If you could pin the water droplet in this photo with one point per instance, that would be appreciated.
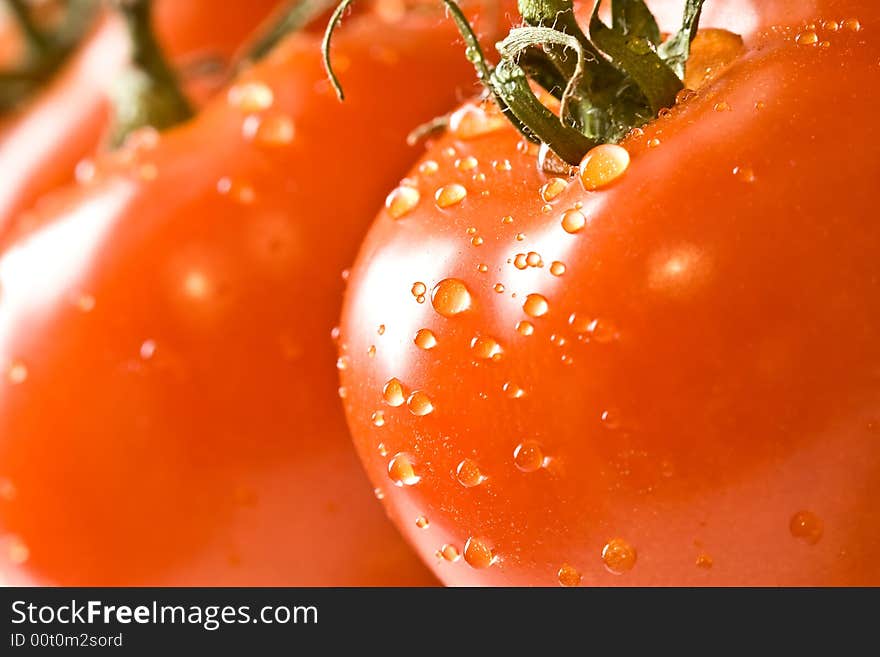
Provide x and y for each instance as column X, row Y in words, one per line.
column 853, row 24
column 378, row 418
column 471, row 121
column 381, row 329
column 478, row 554
column 568, row 576
column 401, row 201
column 402, row 471
column 342, row 391
column 831, row 26
column 534, row 259
column 519, row 237
column 450, row 297
column 272, row 130
column 507, row 219
column 722, row 106
column 371, row 351
column 501, row 165
column 499, row 288
column 250, row 96
column 85, row 302
column 807, row 526
column 525, row 327
column 17, row 551
column 619, row 556
column 428, row 168
column 683, row 96
column 468, row 474
column 482, row 268
column 425, row 339
column 553, row 188
column 383, row 451
column 237, row 190
column 512, row 390
column 529, row 456
column 520, row 261
column 17, row 372
column 422, row 522
column 466, row 163
column 486, row 348
column 573, row 221
column 557, row 268
column 419, row 403
column 148, row 348
column 807, row 38
column 379, row 494
column 342, row 363
column 476, row 241
column 536, row 305
column 449, row 553
column 394, row 393
column 653, row 143
column 449, row 195
column 704, row 561
column 610, row 419
column 418, row 289
column 603, row 165
column 744, row 174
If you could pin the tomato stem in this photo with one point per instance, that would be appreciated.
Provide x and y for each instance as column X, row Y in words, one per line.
column 621, row 76
column 291, row 18
column 149, row 93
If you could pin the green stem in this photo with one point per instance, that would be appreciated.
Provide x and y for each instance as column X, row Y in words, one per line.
column 37, row 40
column 149, row 94
column 295, row 16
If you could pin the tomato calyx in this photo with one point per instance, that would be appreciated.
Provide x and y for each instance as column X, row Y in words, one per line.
column 620, row 77
column 47, row 48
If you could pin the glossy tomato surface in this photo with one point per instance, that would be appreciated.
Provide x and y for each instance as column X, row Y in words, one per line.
column 672, row 380
column 170, row 412
column 69, row 119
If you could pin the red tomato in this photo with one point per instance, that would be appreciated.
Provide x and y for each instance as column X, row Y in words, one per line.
column 40, row 149
column 672, row 380
column 170, row 411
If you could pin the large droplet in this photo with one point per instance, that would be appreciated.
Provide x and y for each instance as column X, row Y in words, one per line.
column 449, row 195
column 478, row 554
column 468, row 474
column 450, row 297
column 528, row 456
column 619, row 556
column 401, row 201
column 568, row 575
column 536, row 305
column 393, row 393
column 573, row 221
column 425, row 339
column 602, row 165
column 486, row 348
column 402, row 471
column 419, row 403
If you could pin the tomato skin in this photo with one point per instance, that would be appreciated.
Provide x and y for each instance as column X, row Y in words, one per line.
column 179, row 421
column 722, row 416
column 67, row 121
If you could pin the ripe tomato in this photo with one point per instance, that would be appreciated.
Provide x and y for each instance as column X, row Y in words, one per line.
column 40, row 149
column 170, row 411
column 674, row 379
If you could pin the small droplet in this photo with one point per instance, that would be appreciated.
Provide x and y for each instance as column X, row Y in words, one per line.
column 148, row 348
column 466, row 163
column 378, row 419
column 272, row 130
column 418, row 289
column 450, row 297
column 528, row 456
column 428, row 168
column 807, row 38
column 342, row 363
column 602, row 165
column 380, row 495
column 342, row 391
column 478, row 554
column 568, row 576
column 501, row 165
column 476, row 241
column 573, row 221
column 394, row 393
column 853, row 24
column 371, row 351
column 507, row 219
column 17, row 372
column 419, row 403
column 619, row 556
column 553, row 188
column 482, row 268
column 425, row 339
column 653, row 142
column 519, row 261
column 512, row 390
column 722, row 106
column 449, row 553
column 683, row 96
column 422, row 522
column 557, row 268
column 383, row 451
column 402, row 471
column 525, row 327
column 468, row 474
column 381, row 329
column 486, row 348
column 237, row 190
column 519, row 237
column 449, row 195
column 401, row 201
column 472, row 121
column 704, row 561
column 536, row 305
column 744, row 174
column 250, row 97
column 17, row 551
column 610, row 419
column 807, row 526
